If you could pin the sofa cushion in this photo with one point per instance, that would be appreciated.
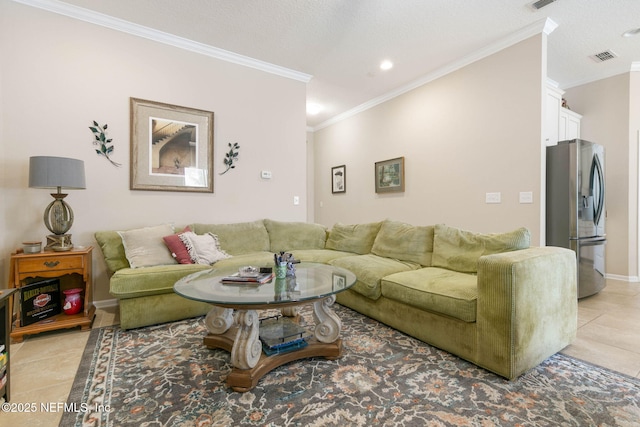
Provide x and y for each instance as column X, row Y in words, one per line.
column 322, row 256
column 239, row 238
column 289, row 236
column 144, row 247
column 356, row 238
column 159, row 279
column 203, row 249
column 405, row 242
column 435, row 289
column 110, row 243
column 369, row 270
column 459, row 250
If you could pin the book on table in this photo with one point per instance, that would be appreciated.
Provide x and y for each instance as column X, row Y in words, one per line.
column 237, row 279
column 280, row 334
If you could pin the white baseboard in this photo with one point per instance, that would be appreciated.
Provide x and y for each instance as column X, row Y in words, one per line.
column 632, row 279
column 106, row 303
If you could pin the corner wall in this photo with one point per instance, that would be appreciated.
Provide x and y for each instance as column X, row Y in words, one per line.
column 59, row 74
column 473, row 131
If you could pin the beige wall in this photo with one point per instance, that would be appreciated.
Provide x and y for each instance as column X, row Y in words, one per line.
column 611, row 117
column 473, row 131
column 59, row 74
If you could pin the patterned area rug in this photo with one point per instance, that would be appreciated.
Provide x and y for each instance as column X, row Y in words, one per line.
column 164, row 376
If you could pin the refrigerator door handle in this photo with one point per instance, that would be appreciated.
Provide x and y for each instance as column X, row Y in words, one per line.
column 597, row 177
column 592, row 241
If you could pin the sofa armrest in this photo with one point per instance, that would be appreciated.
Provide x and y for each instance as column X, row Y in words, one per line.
column 527, row 307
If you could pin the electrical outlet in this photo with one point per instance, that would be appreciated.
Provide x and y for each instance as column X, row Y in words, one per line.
column 296, row 200
column 265, row 174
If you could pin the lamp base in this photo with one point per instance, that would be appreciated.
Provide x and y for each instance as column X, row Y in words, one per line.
column 59, row 242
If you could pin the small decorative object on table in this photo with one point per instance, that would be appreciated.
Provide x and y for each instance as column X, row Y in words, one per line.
column 31, row 247
column 249, row 271
column 284, row 263
column 72, row 301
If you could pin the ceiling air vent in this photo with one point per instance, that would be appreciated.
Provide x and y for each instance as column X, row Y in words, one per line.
column 604, row 56
column 541, row 3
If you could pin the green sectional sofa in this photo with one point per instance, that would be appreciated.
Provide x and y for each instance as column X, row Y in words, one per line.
column 488, row 298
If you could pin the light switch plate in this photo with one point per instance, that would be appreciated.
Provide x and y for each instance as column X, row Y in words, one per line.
column 493, row 197
column 526, row 197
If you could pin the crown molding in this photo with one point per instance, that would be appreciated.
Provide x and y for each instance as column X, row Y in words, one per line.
column 117, row 24
column 623, row 69
column 538, row 27
column 549, row 26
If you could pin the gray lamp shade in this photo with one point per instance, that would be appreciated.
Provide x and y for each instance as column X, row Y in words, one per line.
column 53, row 172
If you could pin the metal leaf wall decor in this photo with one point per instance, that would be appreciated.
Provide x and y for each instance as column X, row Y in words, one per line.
column 230, row 157
column 100, row 134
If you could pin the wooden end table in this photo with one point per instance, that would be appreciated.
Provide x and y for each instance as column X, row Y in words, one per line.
column 51, row 264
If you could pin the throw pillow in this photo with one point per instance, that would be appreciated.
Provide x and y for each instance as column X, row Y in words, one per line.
column 203, row 249
column 144, row 247
column 356, row 238
column 405, row 242
column 459, row 250
column 112, row 249
column 178, row 249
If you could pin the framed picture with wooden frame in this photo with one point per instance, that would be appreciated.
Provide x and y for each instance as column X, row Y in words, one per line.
column 171, row 147
column 339, row 179
column 389, row 175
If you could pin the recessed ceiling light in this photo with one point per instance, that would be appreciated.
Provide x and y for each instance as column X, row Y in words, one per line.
column 386, row 65
column 631, row 33
column 313, row 108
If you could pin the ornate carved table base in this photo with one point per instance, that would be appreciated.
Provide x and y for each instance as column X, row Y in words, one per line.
column 242, row 340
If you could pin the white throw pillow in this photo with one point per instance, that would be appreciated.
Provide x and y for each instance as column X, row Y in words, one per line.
column 203, row 249
column 144, row 247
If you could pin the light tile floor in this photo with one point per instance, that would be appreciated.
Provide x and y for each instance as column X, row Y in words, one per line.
column 43, row 366
column 608, row 328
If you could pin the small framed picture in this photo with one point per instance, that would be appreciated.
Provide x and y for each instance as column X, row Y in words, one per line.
column 389, row 175
column 339, row 282
column 339, row 179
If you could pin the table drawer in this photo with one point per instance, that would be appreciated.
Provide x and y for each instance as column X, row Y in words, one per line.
column 32, row 265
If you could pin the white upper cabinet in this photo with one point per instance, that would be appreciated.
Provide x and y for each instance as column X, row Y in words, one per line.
column 560, row 123
column 569, row 125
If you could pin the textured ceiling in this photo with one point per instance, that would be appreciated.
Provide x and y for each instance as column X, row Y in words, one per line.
column 342, row 42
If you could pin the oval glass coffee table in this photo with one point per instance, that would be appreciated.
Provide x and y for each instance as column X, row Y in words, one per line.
column 315, row 284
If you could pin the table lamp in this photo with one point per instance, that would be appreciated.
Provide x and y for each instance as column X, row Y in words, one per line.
column 57, row 172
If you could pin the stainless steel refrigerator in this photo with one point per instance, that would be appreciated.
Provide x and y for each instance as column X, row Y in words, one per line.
column 576, row 208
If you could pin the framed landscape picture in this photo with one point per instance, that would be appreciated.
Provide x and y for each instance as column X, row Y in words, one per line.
column 390, row 175
column 171, row 147
column 339, row 179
